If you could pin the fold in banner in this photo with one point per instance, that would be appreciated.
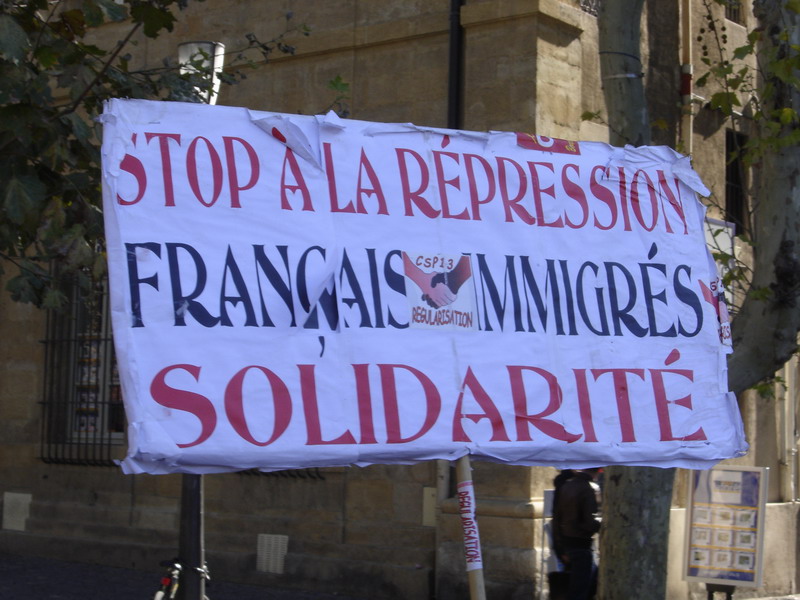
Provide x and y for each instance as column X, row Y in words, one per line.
column 293, row 291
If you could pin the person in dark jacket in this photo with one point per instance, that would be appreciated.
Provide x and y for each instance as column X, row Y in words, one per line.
column 575, row 521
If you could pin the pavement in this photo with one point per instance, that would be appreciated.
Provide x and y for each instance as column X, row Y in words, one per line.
column 791, row 597
column 32, row 578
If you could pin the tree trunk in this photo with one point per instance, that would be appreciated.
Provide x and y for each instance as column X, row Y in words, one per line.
column 633, row 538
column 765, row 328
column 636, row 500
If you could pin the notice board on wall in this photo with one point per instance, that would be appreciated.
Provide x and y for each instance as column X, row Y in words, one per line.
column 725, row 526
column 291, row 291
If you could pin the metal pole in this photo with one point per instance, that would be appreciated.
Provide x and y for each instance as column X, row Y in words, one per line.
column 455, row 66
column 191, row 546
column 472, row 541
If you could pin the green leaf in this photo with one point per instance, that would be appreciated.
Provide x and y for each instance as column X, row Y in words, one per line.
column 100, row 267
column 23, row 195
column 735, row 82
column 784, row 69
column 725, row 101
column 46, row 56
column 92, row 13
column 661, row 124
column 743, row 52
column 793, row 5
column 54, row 299
column 754, row 36
column 14, row 43
column 79, row 254
column 80, row 128
column 153, row 19
column 22, row 289
column 787, row 116
column 339, row 85
column 762, row 293
column 28, row 285
column 73, row 23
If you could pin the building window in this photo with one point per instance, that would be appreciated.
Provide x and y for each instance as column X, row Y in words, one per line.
column 733, row 11
column 735, row 181
column 590, row 6
column 83, row 420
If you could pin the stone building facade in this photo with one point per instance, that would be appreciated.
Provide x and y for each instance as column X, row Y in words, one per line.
column 376, row 532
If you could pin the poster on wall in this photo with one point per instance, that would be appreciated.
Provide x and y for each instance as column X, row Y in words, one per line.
column 725, row 526
column 291, row 291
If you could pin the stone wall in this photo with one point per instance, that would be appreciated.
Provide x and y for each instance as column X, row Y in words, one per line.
column 381, row 532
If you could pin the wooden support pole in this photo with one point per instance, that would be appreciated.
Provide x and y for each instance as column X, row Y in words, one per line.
column 469, row 524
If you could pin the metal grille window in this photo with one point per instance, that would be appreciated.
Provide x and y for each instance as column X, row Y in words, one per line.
column 733, row 10
column 83, row 420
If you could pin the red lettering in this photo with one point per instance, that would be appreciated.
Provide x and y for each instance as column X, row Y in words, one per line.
column 135, row 167
column 475, row 200
column 662, row 405
column 414, row 198
column 331, row 175
column 443, row 183
column 623, row 198
column 621, row 391
column 605, row 195
column 485, row 402
column 584, row 407
column 364, row 400
column 433, row 403
column 196, row 404
column 574, row 191
column 234, row 405
column 233, row 175
column 192, row 171
column 166, row 162
column 673, row 199
column 538, row 190
column 520, row 399
column 637, row 205
column 308, row 390
column 300, row 183
column 511, row 205
column 365, row 167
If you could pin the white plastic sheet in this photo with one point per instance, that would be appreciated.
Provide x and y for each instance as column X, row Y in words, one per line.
column 291, row 291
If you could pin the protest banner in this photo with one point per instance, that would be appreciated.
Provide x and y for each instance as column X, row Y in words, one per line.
column 291, row 291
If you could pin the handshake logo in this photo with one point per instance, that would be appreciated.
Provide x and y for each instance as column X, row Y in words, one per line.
column 441, row 301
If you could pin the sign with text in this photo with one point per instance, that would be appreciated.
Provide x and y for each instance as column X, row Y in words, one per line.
column 291, row 291
column 725, row 526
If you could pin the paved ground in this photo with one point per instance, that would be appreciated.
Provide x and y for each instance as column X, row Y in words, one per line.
column 744, row 595
column 28, row 578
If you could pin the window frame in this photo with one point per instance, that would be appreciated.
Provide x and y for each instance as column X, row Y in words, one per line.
column 83, row 419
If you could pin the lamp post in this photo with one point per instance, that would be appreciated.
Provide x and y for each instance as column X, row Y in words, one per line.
column 206, row 59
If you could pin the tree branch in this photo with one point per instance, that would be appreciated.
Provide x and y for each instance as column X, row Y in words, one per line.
column 74, row 106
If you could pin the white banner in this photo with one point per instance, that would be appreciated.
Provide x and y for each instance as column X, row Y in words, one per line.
column 291, row 291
